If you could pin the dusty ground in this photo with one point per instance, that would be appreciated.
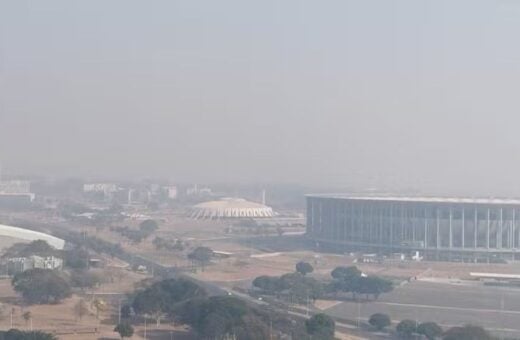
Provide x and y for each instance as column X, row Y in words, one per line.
column 62, row 319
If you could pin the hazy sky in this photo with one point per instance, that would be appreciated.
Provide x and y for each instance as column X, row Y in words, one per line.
column 387, row 93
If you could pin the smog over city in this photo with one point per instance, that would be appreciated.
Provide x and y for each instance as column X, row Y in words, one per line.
column 298, row 169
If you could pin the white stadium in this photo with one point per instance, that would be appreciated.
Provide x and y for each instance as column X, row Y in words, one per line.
column 230, row 208
column 30, row 235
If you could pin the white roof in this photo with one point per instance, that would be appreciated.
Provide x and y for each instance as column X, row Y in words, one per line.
column 503, row 201
column 495, row 275
column 31, row 235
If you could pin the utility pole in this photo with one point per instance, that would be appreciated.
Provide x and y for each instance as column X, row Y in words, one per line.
column 119, row 314
column 358, row 315
column 145, row 328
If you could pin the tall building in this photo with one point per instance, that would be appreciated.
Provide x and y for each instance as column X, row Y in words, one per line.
column 427, row 224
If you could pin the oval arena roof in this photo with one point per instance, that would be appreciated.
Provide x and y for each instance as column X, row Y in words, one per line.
column 230, row 208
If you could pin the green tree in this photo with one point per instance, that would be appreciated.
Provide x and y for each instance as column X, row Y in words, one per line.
column 216, row 316
column 346, row 273
column 27, row 316
column 148, row 226
column 125, row 330
column 16, row 334
column 40, row 286
column 76, row 258
column 202, row 255
column 406, row 328
column 321, row 326
column 468, row 332
column 379, row 321
column 159, row 298
column 269, row 284
column 85, row 279
column 304, row 268
column 431, row 330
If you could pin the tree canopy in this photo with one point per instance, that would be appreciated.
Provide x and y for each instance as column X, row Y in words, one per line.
column 468, row 332
column 40, row 286
column 406, row 328
column 201, row 254
column 350, row 279
column 430, row 330
column 15, row 334
column 161, row 297
column 125, row 330
column 221, row 316
column 321, row 326
column 304, row 268
column 379, row 321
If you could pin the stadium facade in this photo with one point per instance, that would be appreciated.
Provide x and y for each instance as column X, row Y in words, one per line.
column 430, row 225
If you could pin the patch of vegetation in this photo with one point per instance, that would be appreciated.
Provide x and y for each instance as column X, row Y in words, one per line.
column 41, row 286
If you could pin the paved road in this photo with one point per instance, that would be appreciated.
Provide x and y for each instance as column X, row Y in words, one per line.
column 447, row 304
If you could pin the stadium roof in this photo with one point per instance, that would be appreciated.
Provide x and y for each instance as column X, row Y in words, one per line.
column 31, row 235
column 466, row 200
column 230, row 208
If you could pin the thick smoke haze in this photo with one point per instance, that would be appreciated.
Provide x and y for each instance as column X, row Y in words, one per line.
column 397, row 95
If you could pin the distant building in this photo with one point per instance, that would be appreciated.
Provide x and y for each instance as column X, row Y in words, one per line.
column 230, row 208
column 432, row 225
column 171, row 192
column 15, row 192
column 106, row 188
column 100, row 191
column 21, row 264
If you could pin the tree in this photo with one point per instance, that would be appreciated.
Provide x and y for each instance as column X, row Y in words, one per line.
column 468, row 332
column 16, row 334
column 430, row 330
column 379, row 321
column 76, row 258
column 81, row 309
column 321, row 325
column 27, row 316
column 269, row 284
column 84, row 279
column 304, row 268
column 125, row 330
column 40, row 286
column 160, row 298
column 406, row 328
column 148, row 226
column 126, row 311
column 371, row 286
column 221, row 317
column 346, row 273
column 201, row 255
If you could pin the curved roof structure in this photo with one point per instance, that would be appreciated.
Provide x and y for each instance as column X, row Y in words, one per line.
column 230, row 208
column 31, row 235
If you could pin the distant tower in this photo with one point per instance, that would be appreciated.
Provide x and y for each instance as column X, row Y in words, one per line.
column 263, row 196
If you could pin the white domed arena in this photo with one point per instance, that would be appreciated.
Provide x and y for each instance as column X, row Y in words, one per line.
column 230, row 208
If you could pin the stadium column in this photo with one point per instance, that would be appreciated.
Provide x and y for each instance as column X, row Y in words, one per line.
column 391, row 225
column 475, row 229
column 425, row 228
column 463, row 228
column 451, row 229
column 488, row 226
column 500, row 231
column 438, row 228
column 381, row 211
